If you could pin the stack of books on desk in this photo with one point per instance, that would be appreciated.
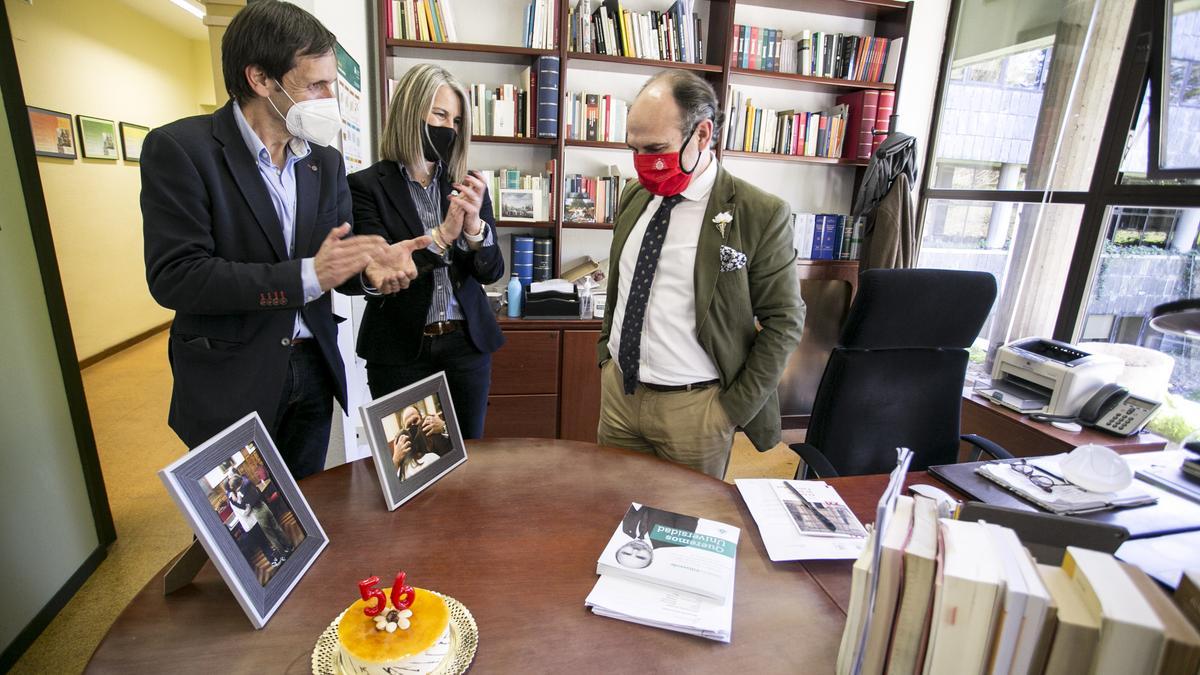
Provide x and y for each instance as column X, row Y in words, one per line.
column 668, row 570
column 966, row 597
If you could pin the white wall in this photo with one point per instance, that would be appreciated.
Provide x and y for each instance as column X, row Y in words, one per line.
column 919, row 83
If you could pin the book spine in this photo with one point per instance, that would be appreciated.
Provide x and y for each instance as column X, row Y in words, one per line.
column 883, row 114
column 547, row 96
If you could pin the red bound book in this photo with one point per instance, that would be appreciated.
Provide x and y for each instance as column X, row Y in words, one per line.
column 883, row 113
column 858, row 140
column 608, row 130
column 754, row 47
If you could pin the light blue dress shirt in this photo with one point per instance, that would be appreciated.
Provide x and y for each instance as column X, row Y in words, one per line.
column 281, row 186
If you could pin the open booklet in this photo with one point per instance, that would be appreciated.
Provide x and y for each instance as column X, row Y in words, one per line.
column 1054, row 493
column 668, row 570
column 802, row 519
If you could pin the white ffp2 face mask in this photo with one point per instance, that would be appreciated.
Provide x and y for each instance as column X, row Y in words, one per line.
column 317, row 121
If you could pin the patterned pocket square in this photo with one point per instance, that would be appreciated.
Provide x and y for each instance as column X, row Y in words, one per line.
column 732, row 259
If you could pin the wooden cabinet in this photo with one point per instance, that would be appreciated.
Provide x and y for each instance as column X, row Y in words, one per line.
column 580, row 410
column 545, row 383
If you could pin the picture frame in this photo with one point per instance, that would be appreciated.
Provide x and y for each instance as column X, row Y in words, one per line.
column 401, row 450
column 132, row 137
column 97, row 138
column 247, row 512
column 53, row 134
column 519, row 205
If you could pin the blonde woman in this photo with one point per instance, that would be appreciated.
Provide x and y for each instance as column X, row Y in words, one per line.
column 442, row 321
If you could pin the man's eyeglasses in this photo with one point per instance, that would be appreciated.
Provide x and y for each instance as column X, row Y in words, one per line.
column 1037, row 476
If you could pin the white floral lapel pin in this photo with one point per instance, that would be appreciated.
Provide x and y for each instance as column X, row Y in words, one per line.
column 722, row 221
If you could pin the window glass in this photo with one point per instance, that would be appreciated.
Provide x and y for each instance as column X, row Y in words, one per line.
column 1148, row 258
column 1012, row 104
column 1180, row 143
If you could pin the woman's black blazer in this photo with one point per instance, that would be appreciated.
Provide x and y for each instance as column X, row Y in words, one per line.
column 393, row 324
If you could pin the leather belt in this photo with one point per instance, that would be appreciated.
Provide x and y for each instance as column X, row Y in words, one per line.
column 680, row 387
column 441, row 328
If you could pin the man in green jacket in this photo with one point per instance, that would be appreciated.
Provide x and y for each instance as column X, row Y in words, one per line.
column 698, row 256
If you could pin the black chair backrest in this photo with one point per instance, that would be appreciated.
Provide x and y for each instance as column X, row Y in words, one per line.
column 923, row 309
column 896, row 377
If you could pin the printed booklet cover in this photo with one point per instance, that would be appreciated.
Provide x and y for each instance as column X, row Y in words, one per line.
column 670, row 549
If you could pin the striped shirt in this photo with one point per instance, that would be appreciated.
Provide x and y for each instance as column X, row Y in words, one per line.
column 443, row 306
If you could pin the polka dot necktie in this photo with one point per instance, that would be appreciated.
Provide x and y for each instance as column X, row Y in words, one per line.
column 639, row 292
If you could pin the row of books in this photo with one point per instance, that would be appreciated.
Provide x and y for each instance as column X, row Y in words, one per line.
column 671, row 35
column 850, row 57
column 784, row 132
column 827, row 236
column 532, row 258
column 510, row 111
column 870, row 112
column 521, row 196
column 954, row 596
column 541, row 24
column 593, row 199
column 427, row 20
column 594, row 117
column 500, row 111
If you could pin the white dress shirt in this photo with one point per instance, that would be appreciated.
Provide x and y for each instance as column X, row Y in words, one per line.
column 671, row 352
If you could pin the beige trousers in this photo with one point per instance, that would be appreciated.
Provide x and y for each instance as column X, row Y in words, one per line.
column 686, row 427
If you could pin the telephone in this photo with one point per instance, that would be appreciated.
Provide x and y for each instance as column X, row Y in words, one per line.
column 1111, row 409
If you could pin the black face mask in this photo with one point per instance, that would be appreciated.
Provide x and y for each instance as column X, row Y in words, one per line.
column 436, row 142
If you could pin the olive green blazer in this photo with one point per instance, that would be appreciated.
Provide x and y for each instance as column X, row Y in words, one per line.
column 751, row 361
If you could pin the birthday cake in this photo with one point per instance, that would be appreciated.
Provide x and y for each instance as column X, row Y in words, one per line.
column 377, row 637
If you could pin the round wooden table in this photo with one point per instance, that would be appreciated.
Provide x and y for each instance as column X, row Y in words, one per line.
column 513, row 534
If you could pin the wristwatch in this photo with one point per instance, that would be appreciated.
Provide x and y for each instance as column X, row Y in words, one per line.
column 478, row 237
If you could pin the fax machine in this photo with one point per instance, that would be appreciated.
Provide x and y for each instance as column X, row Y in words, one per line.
column 1037, row 375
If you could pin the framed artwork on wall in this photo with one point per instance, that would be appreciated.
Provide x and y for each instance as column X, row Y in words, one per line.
column 52, row 133
column 132, row 136
column 97, row 137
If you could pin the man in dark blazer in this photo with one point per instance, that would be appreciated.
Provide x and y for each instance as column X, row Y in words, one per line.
column 245, row 218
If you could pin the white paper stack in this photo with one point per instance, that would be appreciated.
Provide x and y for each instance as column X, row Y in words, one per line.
column 780, row 531
column 662, row 607
column 1062, row 497
column 668, row 570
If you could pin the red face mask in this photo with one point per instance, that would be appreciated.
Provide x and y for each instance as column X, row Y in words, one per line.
column 663, row 174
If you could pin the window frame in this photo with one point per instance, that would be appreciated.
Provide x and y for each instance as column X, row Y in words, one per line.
column 1105, row 189
column 1160, row 87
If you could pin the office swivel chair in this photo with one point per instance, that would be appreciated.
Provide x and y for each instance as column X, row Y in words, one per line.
column 895, row 377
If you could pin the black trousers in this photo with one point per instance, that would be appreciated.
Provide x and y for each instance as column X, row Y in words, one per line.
column 305, row 411
column 468, row 372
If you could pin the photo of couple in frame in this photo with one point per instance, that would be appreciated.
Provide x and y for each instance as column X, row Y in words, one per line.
column 414, row 438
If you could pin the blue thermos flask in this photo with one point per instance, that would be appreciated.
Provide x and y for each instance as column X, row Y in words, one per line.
column 514, row 297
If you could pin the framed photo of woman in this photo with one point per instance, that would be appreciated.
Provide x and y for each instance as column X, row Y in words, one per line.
column 414, row 438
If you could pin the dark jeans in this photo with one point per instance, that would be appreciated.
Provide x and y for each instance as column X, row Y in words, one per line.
column 468, row 372
column 305, row 411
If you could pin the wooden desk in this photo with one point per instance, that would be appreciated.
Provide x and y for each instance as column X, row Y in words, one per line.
column 1024, row 437
column 531, row 515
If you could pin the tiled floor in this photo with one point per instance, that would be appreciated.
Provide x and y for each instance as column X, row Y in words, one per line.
column 128, row 395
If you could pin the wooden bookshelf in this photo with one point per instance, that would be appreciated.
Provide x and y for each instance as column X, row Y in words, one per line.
column 608, row 145
column 850, row 9
column 514, row 140
column 822, row 83
column 807, row 159
column 650, row 63
column 534, row 225
column 502, row 53
column 891, row 19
